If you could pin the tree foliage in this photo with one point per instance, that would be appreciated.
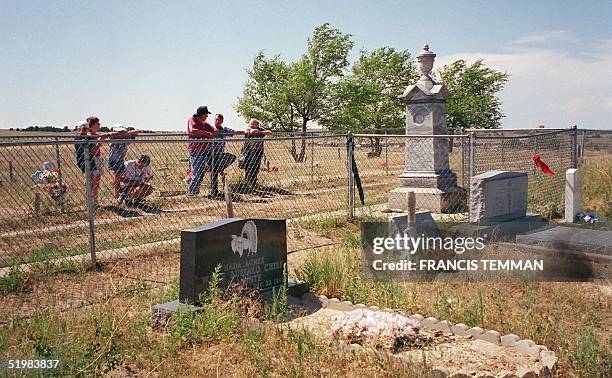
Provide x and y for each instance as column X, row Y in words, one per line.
column 265, row 95
column 368, row 98
column 289, row 95
column 320, row 87
column 473, row 89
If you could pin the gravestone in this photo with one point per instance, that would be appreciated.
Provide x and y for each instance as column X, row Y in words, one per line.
column 572, row 195
column 251, row 252
column 426, row 173
column 498, row 207
column 498, row 196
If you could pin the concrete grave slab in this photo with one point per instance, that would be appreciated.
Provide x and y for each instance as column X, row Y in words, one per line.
column 571, row 239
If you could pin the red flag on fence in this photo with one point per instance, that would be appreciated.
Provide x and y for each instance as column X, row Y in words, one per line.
column 541, row 165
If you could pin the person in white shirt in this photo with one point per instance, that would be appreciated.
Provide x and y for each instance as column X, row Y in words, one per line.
column 135, row 179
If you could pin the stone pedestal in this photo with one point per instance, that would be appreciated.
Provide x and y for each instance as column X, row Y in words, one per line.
column 434, row 199
column 426, row 172
column 572, row 195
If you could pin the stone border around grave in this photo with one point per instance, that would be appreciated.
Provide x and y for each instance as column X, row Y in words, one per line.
column 547, row 357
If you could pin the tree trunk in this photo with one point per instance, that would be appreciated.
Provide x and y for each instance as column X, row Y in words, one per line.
column 376, row 148
column 299, row 157
column 450, row 140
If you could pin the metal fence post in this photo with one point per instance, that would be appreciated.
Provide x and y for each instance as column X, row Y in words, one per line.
column 311, row 160
column 59, row 175
column 386, row 153
column 472, row 164
column 90, row 202
column 582, row 143
column 462, row 149
column 349, row 159
column 11, row 174
column 575, row 147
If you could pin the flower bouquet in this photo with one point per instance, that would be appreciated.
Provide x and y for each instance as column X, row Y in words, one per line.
column 377, row 329
column 47, row 178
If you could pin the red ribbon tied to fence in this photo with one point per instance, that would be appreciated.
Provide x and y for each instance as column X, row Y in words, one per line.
column 541, row 165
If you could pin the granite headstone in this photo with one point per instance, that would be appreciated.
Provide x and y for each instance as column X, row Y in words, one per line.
column 497, row 196
column 251, row 252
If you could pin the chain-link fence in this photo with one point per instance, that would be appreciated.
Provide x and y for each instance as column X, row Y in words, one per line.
column 515, row 152
column 382, row 159
column 67, row 202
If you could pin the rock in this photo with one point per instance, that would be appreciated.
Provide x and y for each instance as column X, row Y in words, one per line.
column 490, row 336
column 440, row 372
column 475, row 331
column 525, row 346
column 459, row 329
column 444, row 326
column 335, row 304
column 417, row 318
column 509, row 340
column 525, row 372
column 429, row 322
column 460, row 374
column 548, row 359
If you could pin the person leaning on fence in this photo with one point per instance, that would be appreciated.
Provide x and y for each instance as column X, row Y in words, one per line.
column 253, row 151
column 89, row 131
column 117, row 152
column 199, row 153
column 135, row 180
column 220, row 159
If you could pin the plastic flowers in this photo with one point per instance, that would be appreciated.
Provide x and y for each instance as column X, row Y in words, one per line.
column 588, row 217
column 48, row 178
column 378, row 329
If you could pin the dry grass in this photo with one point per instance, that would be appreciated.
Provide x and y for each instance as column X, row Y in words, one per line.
column 570, row 318
column 114, row 333
column 597, row 185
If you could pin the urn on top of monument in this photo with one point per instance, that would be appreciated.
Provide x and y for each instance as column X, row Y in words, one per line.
column 426, row 85
column 426, row 59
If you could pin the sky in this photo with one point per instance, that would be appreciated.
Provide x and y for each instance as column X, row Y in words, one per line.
column 150, row 64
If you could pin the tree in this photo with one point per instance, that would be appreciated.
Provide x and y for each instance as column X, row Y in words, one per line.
column 473, row 101
column 289, row 95
column 367, row 100
column 265, row 94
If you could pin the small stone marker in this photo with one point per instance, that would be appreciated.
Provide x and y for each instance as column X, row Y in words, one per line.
column 498, row 196
column 572, row 194
column 252, row 252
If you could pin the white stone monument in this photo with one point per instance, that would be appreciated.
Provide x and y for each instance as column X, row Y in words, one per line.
column 572, row 195
column 426, row 172
column 498, row 196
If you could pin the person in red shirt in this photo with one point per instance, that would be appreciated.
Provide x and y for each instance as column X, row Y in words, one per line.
column 199, row 152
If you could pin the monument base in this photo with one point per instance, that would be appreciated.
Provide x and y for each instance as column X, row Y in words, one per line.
column 500, row 231
column 451, row 200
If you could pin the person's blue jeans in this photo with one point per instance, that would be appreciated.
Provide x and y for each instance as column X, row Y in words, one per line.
column 198, row 167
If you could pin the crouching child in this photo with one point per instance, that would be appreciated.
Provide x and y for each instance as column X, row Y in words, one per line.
column 135, row 179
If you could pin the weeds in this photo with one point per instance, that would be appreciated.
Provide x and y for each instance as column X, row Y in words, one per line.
column 13, row 281
column 591, row 359
column 278, row 310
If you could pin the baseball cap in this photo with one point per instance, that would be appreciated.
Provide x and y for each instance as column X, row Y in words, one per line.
column 202, row 110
